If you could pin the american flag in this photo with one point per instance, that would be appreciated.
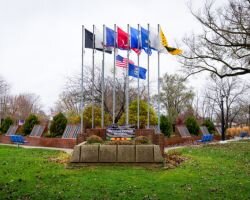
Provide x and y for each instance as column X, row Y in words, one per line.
column 122, row 62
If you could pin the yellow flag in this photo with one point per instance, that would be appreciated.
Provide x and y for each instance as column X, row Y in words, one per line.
column 164, row 42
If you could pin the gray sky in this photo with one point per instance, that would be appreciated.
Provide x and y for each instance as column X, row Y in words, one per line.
column 40, row 40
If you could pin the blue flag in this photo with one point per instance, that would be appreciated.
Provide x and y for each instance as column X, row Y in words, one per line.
column 110, row 37
column 134, row 35
column 145, row 41
column 134, row 38
column 133, row 70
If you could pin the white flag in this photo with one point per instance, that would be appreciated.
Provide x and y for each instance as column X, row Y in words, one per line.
column 98, row 39
column 155, row 41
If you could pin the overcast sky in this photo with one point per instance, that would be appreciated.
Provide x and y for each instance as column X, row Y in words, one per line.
column 40, row 40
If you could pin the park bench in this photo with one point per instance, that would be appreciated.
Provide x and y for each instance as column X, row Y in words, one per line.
column 17, row 139
column 243, row 134
column 206, row 138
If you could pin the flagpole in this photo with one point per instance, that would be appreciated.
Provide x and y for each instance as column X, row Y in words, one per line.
column 148, row 80
column 127, row 83
column 158, row 96
column 114, row 85
column 103, row 64
column 83, row 52
column 138, row 81
column 93, row 68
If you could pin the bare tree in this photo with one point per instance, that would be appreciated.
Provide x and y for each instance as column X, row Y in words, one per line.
column 175, row 96
column 243, row 115
column 20, row 106
column 206, row 106
column 4, row 92
column 233, row 91
column 4, row 87
column 69, row 100
column 223, row 48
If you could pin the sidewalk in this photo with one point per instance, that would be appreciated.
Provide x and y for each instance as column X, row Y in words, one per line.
column 166, row 149
column 68, row 151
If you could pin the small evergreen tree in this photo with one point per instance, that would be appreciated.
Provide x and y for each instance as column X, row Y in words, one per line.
column 166, row 125
column 210, row 125
column 7, row 122
column 58, row 125
column 192, row 125
column 30, row 122
column 143, row 114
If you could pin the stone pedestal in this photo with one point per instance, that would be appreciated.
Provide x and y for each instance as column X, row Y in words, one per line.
column 96, row 153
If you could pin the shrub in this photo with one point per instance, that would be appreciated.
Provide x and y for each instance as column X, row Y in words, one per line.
column 58, row 125
column 235, row 131
column 47, row 134
column 94, row 139
column 143, row 114
column 73, row 118
column 30, row 122
column 192, row 125
column 210, row 125
column 142, row 140
column 87, row 117
column 166, row 125
column 246, row 129
column 7, row 122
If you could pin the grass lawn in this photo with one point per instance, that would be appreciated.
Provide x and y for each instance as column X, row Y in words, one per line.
column 211, row 172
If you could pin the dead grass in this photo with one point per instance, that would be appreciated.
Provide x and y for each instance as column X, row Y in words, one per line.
column 235, row 131
column 62, row 158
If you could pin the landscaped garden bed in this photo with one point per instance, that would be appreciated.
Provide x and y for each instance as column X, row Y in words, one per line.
column 95, row 150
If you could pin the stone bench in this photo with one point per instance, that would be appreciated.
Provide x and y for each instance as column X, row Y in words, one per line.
column 101, row 153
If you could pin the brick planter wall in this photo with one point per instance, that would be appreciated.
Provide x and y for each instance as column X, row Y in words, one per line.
column 146, row 132
column 159, row 139
column 5, row 139
column 44, row 142
column 179, row 140
column 81, row 138
column 101, row 132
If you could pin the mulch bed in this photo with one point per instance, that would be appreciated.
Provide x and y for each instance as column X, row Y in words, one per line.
column 173, row 159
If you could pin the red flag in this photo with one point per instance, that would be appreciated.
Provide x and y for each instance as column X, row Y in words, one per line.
column 137, row 51
column 122, row 39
